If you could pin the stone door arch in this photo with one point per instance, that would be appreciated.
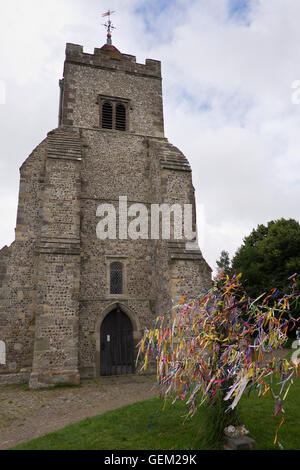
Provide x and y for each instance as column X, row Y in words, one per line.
column 136, row 330
column 116, row 344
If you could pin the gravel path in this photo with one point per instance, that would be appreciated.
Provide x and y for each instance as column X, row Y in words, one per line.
column 26, row 414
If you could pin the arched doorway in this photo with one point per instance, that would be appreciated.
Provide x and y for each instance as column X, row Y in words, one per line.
column 116, row 344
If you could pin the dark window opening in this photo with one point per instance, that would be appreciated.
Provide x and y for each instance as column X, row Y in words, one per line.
column 120, row 117
column 116, row 278
column 107, row 116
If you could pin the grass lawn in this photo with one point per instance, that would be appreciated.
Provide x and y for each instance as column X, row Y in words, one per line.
column 257, row 415
column 146, row 426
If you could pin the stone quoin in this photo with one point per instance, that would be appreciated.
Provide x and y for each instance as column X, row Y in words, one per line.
column 72, row 305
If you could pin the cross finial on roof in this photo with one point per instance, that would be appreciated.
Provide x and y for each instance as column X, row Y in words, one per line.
column 109, row 26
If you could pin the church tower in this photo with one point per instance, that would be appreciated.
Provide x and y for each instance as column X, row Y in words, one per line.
column 73, row 303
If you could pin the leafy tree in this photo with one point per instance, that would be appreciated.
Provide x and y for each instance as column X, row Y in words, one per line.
column 224, row 262
column 269, row 256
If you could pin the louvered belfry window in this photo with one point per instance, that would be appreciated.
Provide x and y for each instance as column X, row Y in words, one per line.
column 107, row 116
column 120, row 117
column 114, row 112
column 116, row 278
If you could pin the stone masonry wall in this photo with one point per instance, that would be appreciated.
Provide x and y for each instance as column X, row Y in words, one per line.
column 54, row 279
column 18, row 286
column 114, row 164
column 123, row 164
column 123, row 78
column 56, row 333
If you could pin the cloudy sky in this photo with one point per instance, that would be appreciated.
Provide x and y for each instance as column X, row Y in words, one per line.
column 229, row 68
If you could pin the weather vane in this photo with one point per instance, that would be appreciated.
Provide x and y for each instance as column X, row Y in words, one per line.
column 108, row 25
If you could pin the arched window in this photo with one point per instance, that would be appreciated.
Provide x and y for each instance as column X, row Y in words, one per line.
column 2, row 353
column 114, row 113
column 116, row 278
column 107, row 115
column 120, row 117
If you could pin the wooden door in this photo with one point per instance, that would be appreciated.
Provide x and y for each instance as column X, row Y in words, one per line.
column 116, row 341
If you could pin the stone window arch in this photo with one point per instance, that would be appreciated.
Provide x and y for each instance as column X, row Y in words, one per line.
column 116, row 278
column 2, row 353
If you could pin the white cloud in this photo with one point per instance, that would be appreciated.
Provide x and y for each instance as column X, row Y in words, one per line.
column 227, row 94
column 230, row 109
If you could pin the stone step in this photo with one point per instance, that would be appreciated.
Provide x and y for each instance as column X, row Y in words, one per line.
column 64, row 157
column 64, row 148
column 177, row 244
column 175, row 158
column 65, row 153
column 175, row 162
column 181, row 248
column 176, row 167
column 187, row 256
column 62, row 136
column 64, row 142
column 172, row 155
column 64, row 145
column 62, row 131
column 171, row 150
column 178, row 158
column 171, row 158
column 186, row 252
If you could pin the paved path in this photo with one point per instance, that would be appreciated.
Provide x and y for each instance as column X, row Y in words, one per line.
column 26, row 414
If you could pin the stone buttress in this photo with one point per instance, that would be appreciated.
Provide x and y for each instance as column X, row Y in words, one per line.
column 58, row 249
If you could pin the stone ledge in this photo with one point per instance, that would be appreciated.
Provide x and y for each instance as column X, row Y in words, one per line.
column 52, row 378
column 188, row 256
column 64, row 157
column 175, row 167
column 14, row 378
column 239, row 443
column 58, row 251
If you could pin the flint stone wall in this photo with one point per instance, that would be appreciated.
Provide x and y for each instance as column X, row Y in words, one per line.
column 54, row 279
